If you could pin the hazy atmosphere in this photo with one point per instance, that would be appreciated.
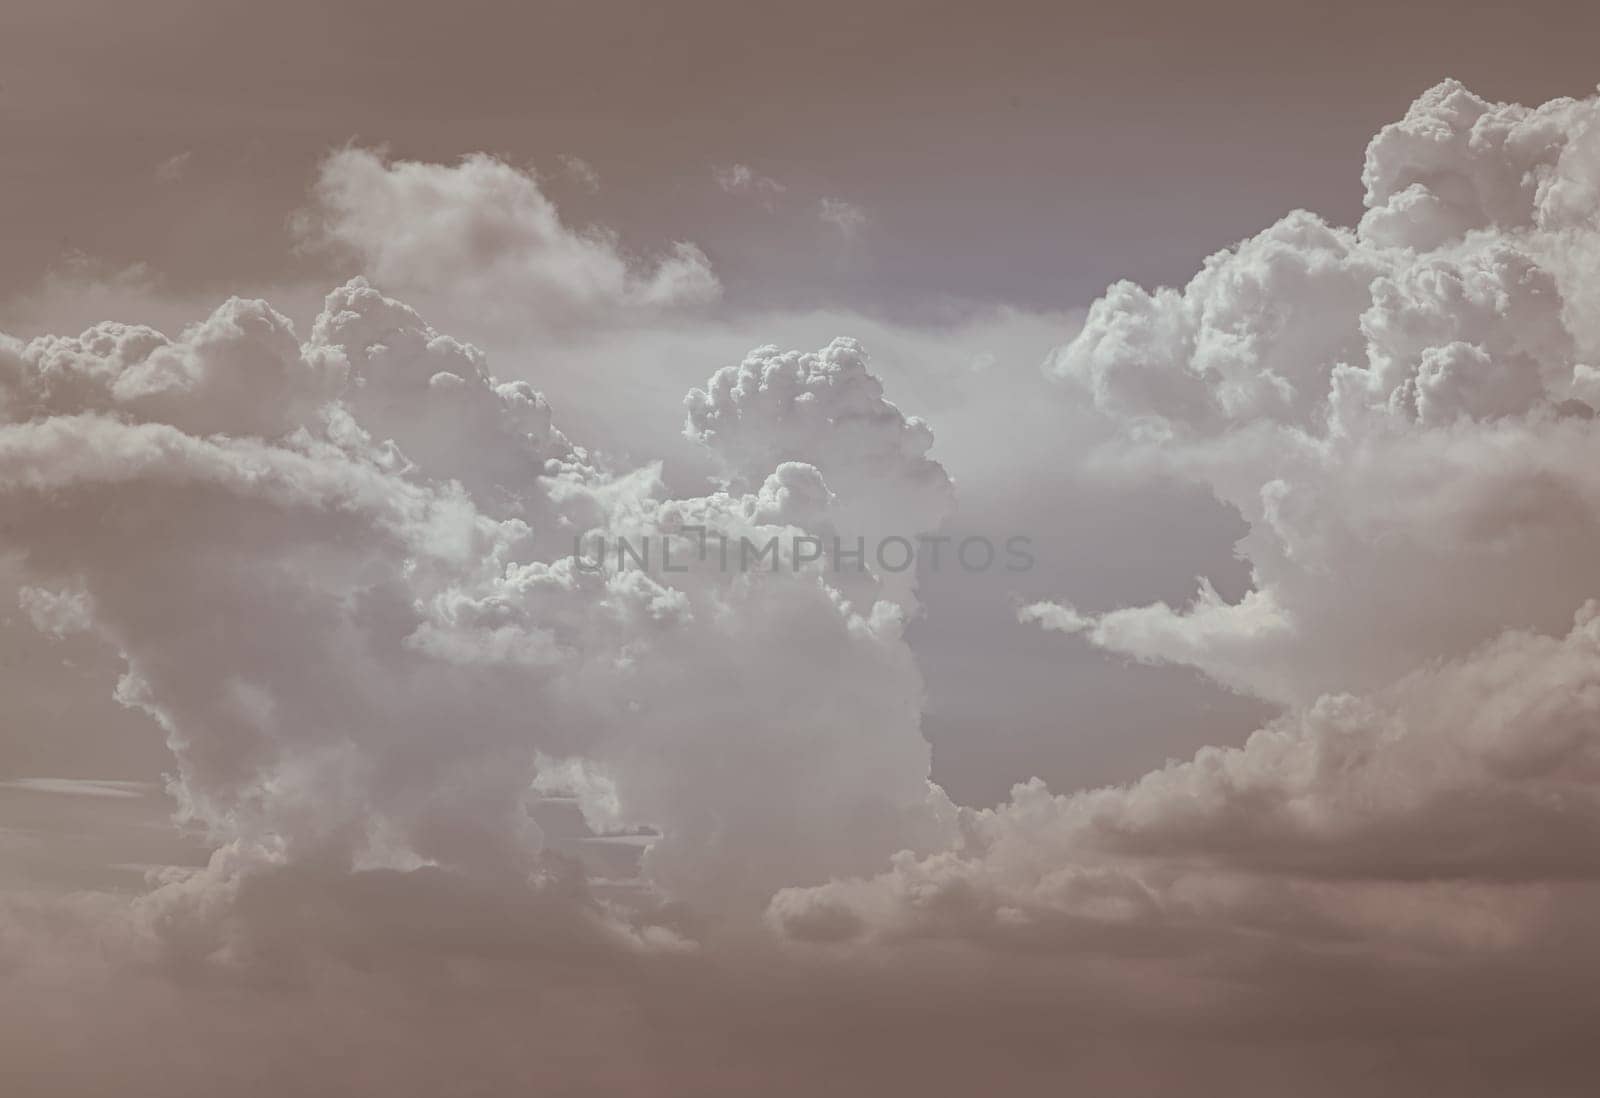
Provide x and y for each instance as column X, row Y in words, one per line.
column 721, row 549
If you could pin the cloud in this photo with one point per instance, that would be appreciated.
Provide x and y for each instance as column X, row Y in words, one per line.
column 741, row 179
column 173, row 167
column 580, row 171
column 1465, row 780
column 481, row 236
column 336, row 567
column 828, row 408
column 56, row 613
column 337, row 572
column 844, row 216
column 1401, row 415
column 80, row 290
column 78, row 787
column 396, row 525
column 847, row 218
column 1400, row 412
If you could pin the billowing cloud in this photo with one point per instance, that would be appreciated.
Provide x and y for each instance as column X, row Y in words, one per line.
column 1402, row 415
column 56, row 613
column 442, row 761
column 482, row 234
column 827, row 408
column 397, row 527
column 1402, row 412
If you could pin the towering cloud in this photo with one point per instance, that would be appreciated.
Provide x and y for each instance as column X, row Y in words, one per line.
column 1401, row 412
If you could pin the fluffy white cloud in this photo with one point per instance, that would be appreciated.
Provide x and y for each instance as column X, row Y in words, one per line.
column 482, row 236
column 826, row 408
column 341, row 574
column 1401, row 414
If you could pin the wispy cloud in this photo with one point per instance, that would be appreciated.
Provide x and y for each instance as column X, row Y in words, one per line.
column 741, row 179
column 580, row 171
column 173, row 168
column 847, row 217
column 79, row 787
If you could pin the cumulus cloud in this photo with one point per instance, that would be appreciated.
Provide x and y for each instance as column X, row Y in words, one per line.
column 825, row 407
column 396, row 525
column 338, row 569
column 1399, row 413
column 481, row 234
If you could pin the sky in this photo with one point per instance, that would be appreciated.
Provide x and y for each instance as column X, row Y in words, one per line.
column 1255, row 343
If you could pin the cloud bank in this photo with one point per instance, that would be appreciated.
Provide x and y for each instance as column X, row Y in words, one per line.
column 1403, row 415
column 338, row 572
